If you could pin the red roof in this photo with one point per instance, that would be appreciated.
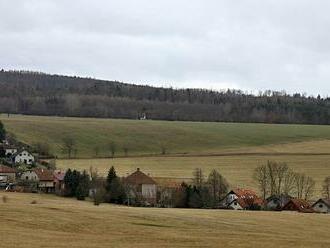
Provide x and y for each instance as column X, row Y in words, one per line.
column 298, row 205
column 6, row 169
column 58, row 175
column 44, row 175
column 139, row 177
column 247, row 197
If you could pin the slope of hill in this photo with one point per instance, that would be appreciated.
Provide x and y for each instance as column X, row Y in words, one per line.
column 93, row 137
column 41, row 94
column 62, row 222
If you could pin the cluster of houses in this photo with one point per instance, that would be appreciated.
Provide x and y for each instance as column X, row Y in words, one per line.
column 148, row 189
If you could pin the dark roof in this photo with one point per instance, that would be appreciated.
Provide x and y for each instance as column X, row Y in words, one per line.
column 20, row 151
column 138, row 177
column 6, row 169
column 44, row 175
column 325, row 201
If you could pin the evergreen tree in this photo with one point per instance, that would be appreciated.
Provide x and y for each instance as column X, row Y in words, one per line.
column 111, row 176
column 68, row 182
column 2, row 131
column 83, row 186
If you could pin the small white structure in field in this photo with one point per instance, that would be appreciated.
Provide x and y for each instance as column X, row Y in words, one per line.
column 322, row 206
column 23, row 157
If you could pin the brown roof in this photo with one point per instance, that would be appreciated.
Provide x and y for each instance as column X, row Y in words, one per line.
column 298, row 205
column 44, row 175
column 6, row 169
column 139, row 177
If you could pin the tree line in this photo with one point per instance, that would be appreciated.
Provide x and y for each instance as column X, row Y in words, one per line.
column 23, row 92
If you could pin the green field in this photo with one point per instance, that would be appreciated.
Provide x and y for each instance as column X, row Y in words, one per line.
column 147, row 137
column 62, row 222
column 234, row 149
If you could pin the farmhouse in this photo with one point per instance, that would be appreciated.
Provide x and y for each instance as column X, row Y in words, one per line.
column 43, row 177
column 59, row 182
column 240, row 199
column 322, row 206
column 7, row 174
column 299, row 205
column 23, row 157
column 277, row 202
column 142, row 187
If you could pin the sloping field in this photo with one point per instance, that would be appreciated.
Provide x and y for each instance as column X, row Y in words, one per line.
column 237, row 169
column 61, row 222
column 149, row 137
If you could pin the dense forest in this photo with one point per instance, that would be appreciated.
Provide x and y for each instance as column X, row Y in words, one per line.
column 33, row 93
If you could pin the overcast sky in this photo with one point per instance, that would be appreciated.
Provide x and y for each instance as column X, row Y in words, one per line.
column 243, row 44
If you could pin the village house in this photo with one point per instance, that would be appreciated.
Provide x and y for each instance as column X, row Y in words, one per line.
column 240, row 199
column 299, row 205
column 322, row 206
column 277, row 202
column 44, row 179
column 23, row 157
column 9, row 150
column 59, row 182
column 7, row 174
column 142, row 187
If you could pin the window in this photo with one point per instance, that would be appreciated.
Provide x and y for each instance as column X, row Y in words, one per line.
column 320, row 205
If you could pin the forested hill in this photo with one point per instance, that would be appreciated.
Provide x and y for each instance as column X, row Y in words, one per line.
column 42, row 94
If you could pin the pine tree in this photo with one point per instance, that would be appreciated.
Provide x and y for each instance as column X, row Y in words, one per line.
column 68, row 182
column 111, row 176
column 83, row 186
column 2, row 132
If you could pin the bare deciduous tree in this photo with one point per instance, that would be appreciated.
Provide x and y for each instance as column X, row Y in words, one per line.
column 218, row 186
column 69, row 145
column 198, row 178
column 326, row 187
column 261, row 177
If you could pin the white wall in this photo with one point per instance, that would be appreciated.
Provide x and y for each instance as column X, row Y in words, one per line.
column 24, row 157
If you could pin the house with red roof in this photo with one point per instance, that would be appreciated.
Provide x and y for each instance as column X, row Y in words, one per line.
column 43, row 177
column 239, row 199
column 142, row 187
column 7, row 174
column 299, row 205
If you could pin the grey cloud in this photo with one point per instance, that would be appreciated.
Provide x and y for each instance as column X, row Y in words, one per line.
column 247, row 44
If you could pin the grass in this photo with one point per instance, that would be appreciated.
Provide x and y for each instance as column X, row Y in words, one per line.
column 61, row 222
column 147, row 137
column 237, row 169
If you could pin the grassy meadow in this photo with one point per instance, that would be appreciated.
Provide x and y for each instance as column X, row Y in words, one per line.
column 62, row 222
column 148, row 137
column 233, row 148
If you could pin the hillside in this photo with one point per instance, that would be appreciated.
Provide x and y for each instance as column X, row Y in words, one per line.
column 94, row 136
column 34, row 93
column 72, row 223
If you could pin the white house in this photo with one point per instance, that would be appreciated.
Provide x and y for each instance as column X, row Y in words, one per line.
column 9, row 151
column 322, row 206
column 44, row 178
column 23, row 157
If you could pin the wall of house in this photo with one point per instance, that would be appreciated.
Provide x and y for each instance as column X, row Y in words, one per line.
column 10, row 151
column 29, row 176
column 234, row 205
column 10, row 177
column 320, row 207
column 24, row 157
column 149, row 191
